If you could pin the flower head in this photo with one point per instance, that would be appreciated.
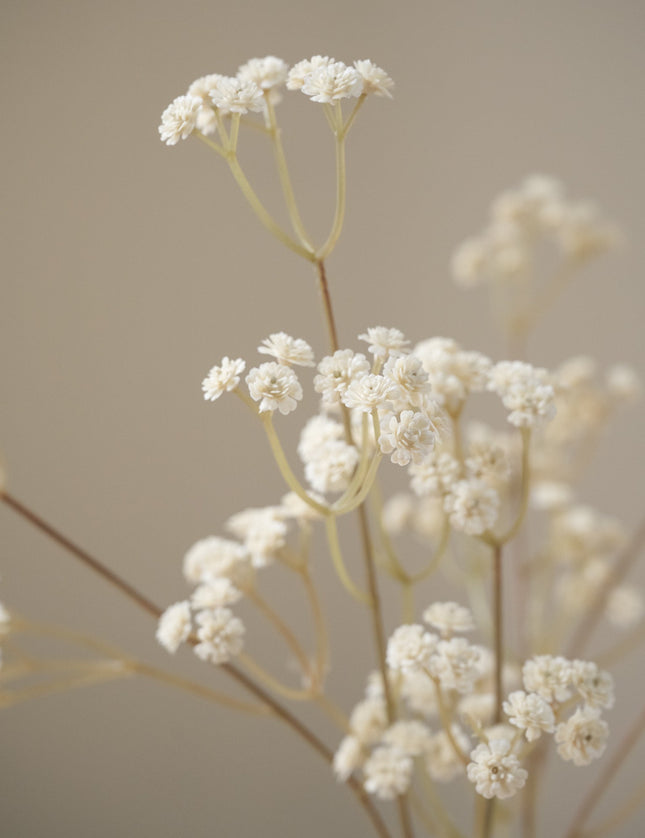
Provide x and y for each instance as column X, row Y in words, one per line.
column 275, row 386
column 495, row 771
column 331, row 83
column 287, row 350
column 221, row 635
column 410, row 647
column 179, row 119
column 375, row 80
column 174, row 626
column 222, row 378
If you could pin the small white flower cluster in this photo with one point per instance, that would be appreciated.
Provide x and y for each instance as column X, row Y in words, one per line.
column 521, row 219
column 260, row 80
column 525, row 392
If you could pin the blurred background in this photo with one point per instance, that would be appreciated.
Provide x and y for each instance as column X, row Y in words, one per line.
column 130, row 268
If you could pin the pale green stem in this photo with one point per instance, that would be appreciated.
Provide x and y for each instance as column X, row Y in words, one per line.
column 272, row 683
column 359, row 472
column 365, row 489
column 285, row 469
column 438, row 554
column 407, row 591
column 525, row 486
column 266, row 219
column 350, row 119
column 97, row 672
column 341, row 189
column 322, row 636
column 339, row 563
column 285, row 179
column 212, row 145
column 446, row 720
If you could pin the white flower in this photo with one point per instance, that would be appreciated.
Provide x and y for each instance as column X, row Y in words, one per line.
column 449, row 617
column 174, row 626
column 222, row 378
column 348, row 757
column 262, row 530
column 367, row 393
column 383, row 341
column 368, row 720
column 275, row 386
column 549, row 676
column 236, row 96
column 453, row 372
column 442, row 762
column 331, row 83
column 299, row 72
column 473, row 506
column 267, row 73
column 315, row 435
column 179, row 119
column 524, row 391
column 624, row 383
column 221, row 635
column 398, row 513
column 435, row 475
column 201, row 89
column 595, row 685
column 455, row 664
column 337, row 371
column 410, row 737
column 216, row 593
column 215, row 557
column 583, row 737
column 551, row 495
column 388, row 773
column 332, row 467
column 410, row 647
column 530, row 712
column 495, row 771
column 293, row 506
column 375, row 80
column 408, row 437
column 287, row 350
column 410, row 380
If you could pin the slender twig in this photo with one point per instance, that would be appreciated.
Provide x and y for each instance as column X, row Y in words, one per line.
column 498, row 630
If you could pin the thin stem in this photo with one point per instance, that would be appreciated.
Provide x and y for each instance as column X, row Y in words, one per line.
column 339, row 563
column 96, row 674
column 350, row 119
column 341, row 190
column 330, row 321
column 291, row 640
column 446, row 721
column 498, row 630
column 213, row 146
column 322, row 636
column 285, row 469
column 360, row 497
column 272, row 683
column 266, row 219
column 231, row 670
column 594, row 612
column 597, row 790
column 438, row 554
column 283, row 173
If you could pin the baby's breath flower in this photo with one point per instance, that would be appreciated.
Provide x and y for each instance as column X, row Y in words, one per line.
column 495, row 771
column 375, row 80
column 410, row 380
column 410, row 737
column 455, row 664
column 275, row 386
column 222, row 378
column 418, row 691
column 453, row 372
column 287, row 350
column 449, row 617
column 174, row 626
column 531, row 713
column 337, row 371
column 332, row 468
column 318, row 431
column 435, row 475
column 410, row 647
column 551, row 495
column 267, row 73
column 368, row 720
column 331, row 83
column 549, row 676
column 442, row 762
column 179, row 119
column 388, row 773
column 233, row 95
column 524, row 391
column 398, row 513
column 299, row 72
column 348, row 757
column 407, row 437
column 215, row 557
column 473, row 506
column 263, row 531
column 583, row 737
column 367, row 393
column 595, row 685
column 383, row 341
column 293, row 506
column 216, row 593
column 221, row 635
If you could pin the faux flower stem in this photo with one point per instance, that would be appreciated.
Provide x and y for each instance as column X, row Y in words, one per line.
column 446, row 721
column 283, row 173
column 341, row 190
column 264, row 677
column 291, row 640
column 339, row 563
column 322, row 635
column 498, row 630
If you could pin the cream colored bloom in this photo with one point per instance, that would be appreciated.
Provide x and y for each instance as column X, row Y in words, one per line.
column 233, row 95
column 410, row 647
column 331, row 83
column 174, row 626
column 287, row 350
column 495, row 771
column 449, row 617
column 388, row 773
column 583, row 737
column 348, row 757
column 275, row 386
column 222, row 378
column 531, row 713
column 179, row 119
column 375, row 80
column 221, row 635
column 408, row 437
column 300, row 71
column 267, row 73
column 384, row 341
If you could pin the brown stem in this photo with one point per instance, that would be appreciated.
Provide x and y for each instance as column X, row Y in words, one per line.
column 611, row 769
column 618, row 572
column 326, row 301
column 153, row 610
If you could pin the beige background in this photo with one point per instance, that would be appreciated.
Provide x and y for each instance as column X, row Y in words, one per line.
column 130, row 268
